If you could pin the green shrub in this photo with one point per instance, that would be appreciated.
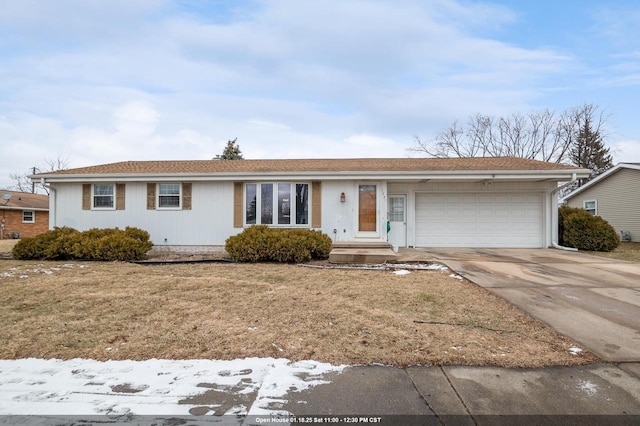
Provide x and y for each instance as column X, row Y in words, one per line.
column 94, row 244
column 51, row 245
column 580, row 229
column 260, row 243
column 564, row 212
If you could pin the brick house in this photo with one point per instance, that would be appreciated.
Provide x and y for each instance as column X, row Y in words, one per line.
column 23, row 214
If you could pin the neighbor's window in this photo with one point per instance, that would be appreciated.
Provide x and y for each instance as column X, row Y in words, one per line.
column 169, row 195
column 274, row 204
column 28, row 216
column 591, row 206
column 103, row 196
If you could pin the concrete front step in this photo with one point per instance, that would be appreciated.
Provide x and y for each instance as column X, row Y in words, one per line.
column 361, row 245
column 361, row 255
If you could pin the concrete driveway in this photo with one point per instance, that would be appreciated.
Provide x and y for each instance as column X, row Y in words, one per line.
column 593, row 300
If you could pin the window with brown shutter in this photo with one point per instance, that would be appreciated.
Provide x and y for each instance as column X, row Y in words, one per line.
column 237, row 205
column 316, row 204
column 186, row 196
column 120, row 195
column 151, row 196
column 86, row 196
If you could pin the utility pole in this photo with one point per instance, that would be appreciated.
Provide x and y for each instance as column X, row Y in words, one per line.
column 33, row 184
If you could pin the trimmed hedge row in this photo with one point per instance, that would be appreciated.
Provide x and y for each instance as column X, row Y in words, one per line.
column 260, row 243
column 95, row 244
column 580, row 229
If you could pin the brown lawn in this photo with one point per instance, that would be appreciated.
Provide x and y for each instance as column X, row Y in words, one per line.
column 625, row 251
column 7, row 245
column 226, row 311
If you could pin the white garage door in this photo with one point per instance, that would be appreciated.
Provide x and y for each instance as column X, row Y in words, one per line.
column 479, row 220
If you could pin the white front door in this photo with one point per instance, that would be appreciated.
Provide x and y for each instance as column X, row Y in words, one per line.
column 397, row 217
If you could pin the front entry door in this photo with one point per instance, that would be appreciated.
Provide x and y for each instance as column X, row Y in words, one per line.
column 397, row 216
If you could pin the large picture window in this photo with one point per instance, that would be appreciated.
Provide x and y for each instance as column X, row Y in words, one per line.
column 284, row 204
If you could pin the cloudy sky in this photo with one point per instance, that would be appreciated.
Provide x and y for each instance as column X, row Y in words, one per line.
column 102, row 81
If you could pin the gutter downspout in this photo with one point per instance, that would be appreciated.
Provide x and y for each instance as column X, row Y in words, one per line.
column 52, row 203
column 554, row 234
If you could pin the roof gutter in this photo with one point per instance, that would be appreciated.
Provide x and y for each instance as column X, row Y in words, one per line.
column 462, row 175
column 554, row 243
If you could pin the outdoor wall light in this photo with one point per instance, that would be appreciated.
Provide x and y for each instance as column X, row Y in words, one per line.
column 343, row 197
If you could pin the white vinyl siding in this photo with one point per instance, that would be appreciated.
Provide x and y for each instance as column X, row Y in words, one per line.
column 479, row 220
column 209, row 222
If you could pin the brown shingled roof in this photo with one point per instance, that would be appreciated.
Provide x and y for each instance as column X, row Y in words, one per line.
column 24, row 201
column 316, row 165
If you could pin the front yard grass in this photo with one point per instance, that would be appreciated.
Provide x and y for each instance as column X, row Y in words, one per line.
column 226, row 311
column 625, row 251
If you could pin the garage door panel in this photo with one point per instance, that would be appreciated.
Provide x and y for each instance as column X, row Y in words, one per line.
column 479, row 220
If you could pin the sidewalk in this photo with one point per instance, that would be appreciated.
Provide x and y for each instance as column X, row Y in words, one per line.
column 270, row 391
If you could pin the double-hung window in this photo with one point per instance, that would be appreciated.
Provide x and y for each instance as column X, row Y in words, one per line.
column 169, row 195
column 103, row 196
column 284, row 204
column 28, row 216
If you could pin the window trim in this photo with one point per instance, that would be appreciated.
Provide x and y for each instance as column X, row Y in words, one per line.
column 158, row 195
column 275, row 210
column 33, row 216
column 594, row 209
column 93, row 195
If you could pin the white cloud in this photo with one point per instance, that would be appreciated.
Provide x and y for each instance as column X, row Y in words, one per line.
column 156, row 79
column 369, row 141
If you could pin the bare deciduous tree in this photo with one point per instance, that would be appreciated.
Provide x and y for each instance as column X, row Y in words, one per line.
column 22, row 183
column 543, row 135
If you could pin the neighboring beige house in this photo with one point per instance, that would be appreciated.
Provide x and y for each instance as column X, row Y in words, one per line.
column 614, row 196
column 23, row 214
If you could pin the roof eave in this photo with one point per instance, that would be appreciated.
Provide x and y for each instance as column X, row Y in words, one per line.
column 38, row 209
column 559, row 175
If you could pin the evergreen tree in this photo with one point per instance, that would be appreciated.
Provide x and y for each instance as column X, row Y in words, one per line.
column 231, row 151
column 588, row 150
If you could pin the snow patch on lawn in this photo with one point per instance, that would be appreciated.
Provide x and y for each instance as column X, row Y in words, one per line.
column 38, row 269
column 152, row 387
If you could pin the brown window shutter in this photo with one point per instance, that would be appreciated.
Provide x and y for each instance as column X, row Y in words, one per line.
column 120, row 194
column 86, row 196
column 316, row 204
column 151, row 196
column 237, row 205
column 186, row 196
